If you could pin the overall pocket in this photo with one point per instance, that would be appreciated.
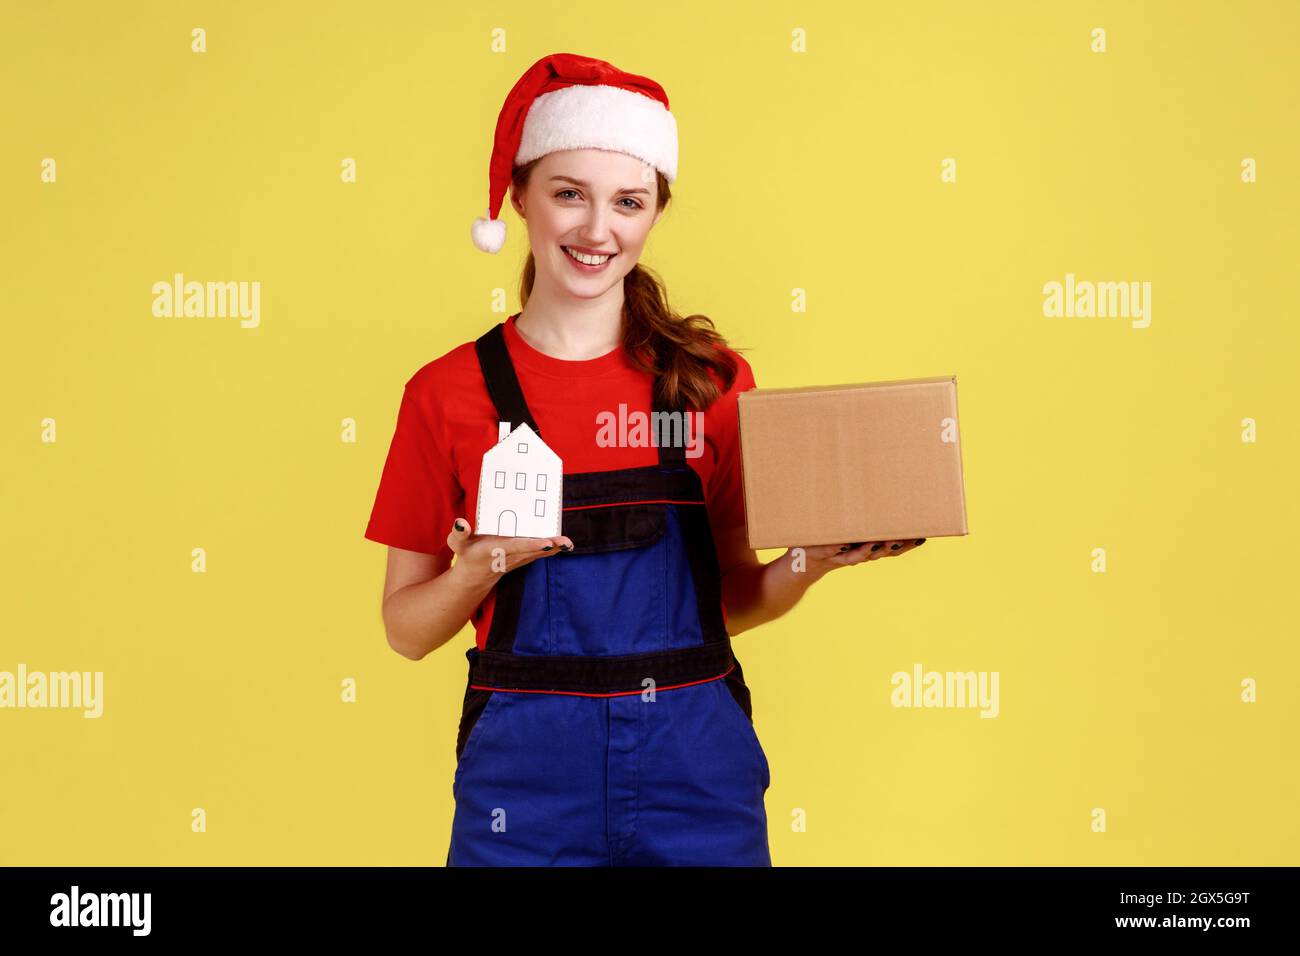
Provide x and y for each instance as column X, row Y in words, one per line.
column 610, row 595
column 476, row 717
column 737, row 700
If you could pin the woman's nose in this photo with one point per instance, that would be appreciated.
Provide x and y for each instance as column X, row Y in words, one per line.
column 596, row 228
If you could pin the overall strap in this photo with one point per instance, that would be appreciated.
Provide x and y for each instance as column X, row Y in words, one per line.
column 502, row 382
column 673, row 454
column 508, row 396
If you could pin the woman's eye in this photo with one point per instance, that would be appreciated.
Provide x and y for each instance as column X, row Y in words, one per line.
column 565, row 193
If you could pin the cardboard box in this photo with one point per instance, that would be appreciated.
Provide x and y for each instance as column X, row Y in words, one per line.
column 840, row 464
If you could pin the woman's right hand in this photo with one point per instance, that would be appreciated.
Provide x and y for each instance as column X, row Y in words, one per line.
column 485, row 557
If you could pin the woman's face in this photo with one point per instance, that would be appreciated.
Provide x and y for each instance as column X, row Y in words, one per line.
column 594, row 202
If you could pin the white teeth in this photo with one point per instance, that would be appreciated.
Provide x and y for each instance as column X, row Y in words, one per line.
column 586, row 260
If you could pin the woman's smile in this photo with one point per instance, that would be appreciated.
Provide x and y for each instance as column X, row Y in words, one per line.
column 586, row 262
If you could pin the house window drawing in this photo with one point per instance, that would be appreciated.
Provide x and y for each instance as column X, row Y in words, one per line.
column 519, row 511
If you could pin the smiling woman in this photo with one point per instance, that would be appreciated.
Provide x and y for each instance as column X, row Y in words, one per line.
column 606, row 720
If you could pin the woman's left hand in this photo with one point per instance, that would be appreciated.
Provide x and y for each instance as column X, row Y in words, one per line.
column 827, row 557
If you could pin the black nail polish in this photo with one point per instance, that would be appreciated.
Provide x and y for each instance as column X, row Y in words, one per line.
column 894, row 547
column 547, row 548
column 844, row 547
column 459, row 526
column 566, row 547
column 920, row 541
column 876, row 546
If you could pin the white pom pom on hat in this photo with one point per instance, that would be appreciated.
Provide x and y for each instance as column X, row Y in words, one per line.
column 567, row 101
column 488, row 234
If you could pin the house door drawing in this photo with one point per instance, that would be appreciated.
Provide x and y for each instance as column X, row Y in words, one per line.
column 507, row 522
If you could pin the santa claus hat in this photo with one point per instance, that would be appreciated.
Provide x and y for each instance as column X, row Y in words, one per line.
column 566, row 101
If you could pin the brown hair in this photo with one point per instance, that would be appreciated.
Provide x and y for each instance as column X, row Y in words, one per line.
column 678, row 349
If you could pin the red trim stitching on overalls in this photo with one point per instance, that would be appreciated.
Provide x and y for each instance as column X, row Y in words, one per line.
column 655, row 501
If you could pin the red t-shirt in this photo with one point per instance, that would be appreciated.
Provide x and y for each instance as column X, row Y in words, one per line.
column 446, row 422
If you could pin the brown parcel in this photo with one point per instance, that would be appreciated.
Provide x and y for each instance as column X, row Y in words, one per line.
column 839, row 464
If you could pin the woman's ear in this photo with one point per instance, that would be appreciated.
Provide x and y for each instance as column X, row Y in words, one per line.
column 518, row 206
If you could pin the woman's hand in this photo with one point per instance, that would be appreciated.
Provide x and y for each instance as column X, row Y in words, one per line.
column 827, row 557
column 483, row 558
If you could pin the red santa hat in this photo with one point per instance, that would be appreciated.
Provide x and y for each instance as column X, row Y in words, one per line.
column 566, row 101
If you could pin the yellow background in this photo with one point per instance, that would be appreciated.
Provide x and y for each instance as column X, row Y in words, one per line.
column 817, row 171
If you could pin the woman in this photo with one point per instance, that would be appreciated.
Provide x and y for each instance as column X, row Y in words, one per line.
column 606, row 720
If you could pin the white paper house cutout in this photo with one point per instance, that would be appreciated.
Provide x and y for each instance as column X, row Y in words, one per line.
column 519, row 488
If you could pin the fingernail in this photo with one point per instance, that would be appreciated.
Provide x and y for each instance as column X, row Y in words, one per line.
column 920, row 541
column 844, row 547
column 566, row 547
column 894, row 547
column 547, row 548
column 459, row 526
column 876, row 546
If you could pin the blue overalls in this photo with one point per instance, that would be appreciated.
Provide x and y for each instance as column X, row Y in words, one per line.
column 607, row 721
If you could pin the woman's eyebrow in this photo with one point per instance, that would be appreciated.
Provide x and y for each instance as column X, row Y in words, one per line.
column 586, row 185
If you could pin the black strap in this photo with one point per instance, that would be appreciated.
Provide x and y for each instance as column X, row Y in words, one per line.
column 508, row 395
column 674, row 454
column 502, row 383
column 630, row 485
column 622, row 674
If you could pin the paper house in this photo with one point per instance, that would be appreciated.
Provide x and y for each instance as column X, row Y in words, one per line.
column 519, row 488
